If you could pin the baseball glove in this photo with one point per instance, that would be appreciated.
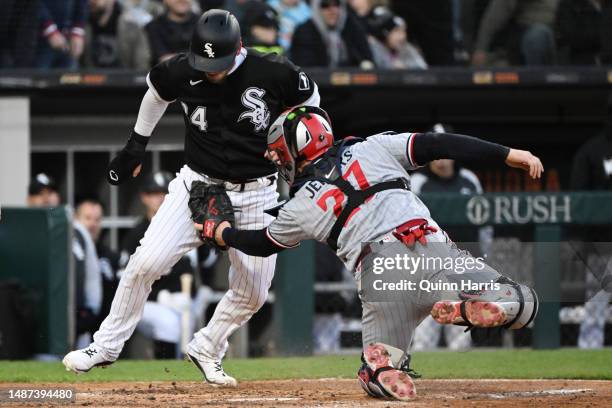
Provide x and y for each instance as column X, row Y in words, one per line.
column 210, row 206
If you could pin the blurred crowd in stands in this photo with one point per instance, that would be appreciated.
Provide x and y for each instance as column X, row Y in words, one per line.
column 384, row 34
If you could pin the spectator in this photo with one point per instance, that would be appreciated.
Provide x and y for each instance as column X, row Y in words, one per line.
column 18, row 33
column 592, row 170
column 89, row 212
column 160, row 321
column 43, row 192
column 236, row 7
column 331, row 38
column 141, row 12
column 529, row 24
column 363, row 8
column 260, row 28
column 389, row 42
column 592, row 167
column 292, row 13
column 579, row 32
column 171, row 32
column 63, row 33
column 113, row 39
column 88, row 283
column 430, row 25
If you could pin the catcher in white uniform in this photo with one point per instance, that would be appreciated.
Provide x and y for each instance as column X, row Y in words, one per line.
column 354, row 195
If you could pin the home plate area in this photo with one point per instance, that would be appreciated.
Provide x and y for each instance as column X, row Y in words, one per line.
column 343, row 393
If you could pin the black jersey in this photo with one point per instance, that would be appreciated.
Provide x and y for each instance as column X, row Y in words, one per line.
column 226, row 124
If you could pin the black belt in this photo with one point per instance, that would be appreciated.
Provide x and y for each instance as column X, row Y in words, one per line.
column 243, row 184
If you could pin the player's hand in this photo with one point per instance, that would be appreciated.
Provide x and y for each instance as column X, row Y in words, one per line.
column 57, row 41
column 218, row 232
column 522, row 159
column 137, row 170
column 77, row 45
column 128, row 162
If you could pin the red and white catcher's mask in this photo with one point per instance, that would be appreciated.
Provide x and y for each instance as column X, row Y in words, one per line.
column 297, row 135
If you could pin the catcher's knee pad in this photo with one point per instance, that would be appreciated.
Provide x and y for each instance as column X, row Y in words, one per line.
column 378, row 377
column 511, row 305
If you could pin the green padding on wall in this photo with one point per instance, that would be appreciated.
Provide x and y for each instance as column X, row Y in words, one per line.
column 34, row 251
column 294, row 304
column 520, row 208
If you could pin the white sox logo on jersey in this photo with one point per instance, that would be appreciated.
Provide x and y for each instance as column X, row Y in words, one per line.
column 259, row 114
column 208, row 50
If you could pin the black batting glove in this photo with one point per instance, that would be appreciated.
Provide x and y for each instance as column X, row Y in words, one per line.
column 122, row 167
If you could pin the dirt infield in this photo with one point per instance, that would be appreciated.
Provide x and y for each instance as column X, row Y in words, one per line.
column 335, row 393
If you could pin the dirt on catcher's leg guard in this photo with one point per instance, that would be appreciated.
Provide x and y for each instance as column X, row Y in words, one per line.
column 447, row 312
column 478, row 314
column 485, row 314
column 380, row 379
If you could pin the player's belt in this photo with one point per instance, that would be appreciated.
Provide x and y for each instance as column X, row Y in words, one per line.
column 248, row 185
column 242, row 186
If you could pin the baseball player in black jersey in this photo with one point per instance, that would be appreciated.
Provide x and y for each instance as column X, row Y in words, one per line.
column 229, row 95
column 354, row 195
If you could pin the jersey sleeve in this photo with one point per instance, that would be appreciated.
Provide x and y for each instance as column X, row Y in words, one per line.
column 298, row 88
column 160, row 81
column 285, row 231
column 400, row 146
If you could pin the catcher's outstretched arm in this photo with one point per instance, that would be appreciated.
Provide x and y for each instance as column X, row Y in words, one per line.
column 434, row 146
column 251, row 242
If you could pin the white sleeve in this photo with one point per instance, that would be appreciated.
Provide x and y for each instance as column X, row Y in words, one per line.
column 315, row 98
column 152, row 108
column 400, row 146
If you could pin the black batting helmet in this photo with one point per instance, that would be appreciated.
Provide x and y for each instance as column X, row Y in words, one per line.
column 215, row 42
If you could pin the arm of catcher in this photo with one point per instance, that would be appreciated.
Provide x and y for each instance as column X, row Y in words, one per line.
column 434, row 146
column 522, row 159
column 251, row 242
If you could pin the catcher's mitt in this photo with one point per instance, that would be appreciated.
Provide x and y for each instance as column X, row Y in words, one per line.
column 210, row 206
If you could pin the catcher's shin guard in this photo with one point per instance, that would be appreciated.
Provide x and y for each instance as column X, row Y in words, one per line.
column 512, row 306
column 379, row 379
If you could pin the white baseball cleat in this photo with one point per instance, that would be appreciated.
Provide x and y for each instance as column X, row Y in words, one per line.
column 213, row 372
column 81, row 361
